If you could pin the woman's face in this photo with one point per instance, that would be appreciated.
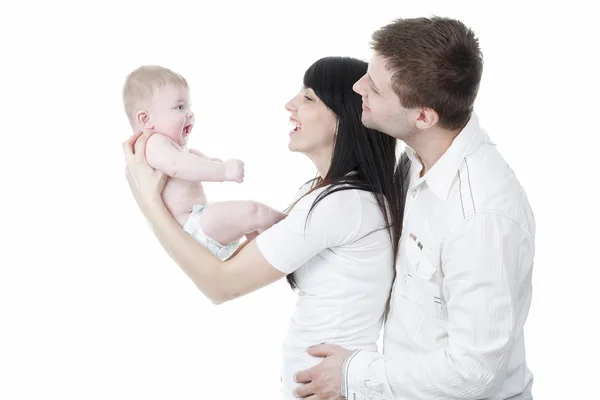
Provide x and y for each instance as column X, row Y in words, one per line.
column 314, row 125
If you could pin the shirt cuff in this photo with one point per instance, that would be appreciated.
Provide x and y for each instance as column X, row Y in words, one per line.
column 353, row 372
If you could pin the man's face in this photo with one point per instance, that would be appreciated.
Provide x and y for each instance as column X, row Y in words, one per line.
column 382, row 109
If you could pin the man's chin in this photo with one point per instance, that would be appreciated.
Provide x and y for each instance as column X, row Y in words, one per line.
column 367, row 122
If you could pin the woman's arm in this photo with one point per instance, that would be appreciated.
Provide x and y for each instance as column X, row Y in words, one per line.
column 283, row 248
column 220, row 281
column 249, row 237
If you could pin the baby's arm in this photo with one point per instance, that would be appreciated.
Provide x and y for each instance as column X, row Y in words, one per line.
column 201, row 154
column 162, row 154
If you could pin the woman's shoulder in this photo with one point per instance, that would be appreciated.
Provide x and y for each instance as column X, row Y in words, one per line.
column 356, row 203
column 304, row 189
column 341, row 198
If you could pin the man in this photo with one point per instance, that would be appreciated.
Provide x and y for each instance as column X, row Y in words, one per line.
column 463, row 278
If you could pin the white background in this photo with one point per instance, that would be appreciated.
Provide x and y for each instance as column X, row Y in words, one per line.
column 91, row 307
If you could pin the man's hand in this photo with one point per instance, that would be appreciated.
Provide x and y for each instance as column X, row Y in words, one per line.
column 323, row 381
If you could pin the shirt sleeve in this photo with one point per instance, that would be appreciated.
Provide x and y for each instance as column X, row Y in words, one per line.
column 334, row 221
column 481, row 260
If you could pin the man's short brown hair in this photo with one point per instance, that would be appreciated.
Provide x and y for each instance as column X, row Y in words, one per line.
column 434, row 62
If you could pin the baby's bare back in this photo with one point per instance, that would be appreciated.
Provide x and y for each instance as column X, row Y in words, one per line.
column 180, row 196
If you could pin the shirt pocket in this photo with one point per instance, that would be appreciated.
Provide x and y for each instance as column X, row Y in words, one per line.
column 422, row 282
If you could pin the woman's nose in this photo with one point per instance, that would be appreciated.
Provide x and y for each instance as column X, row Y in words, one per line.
column 291, row 106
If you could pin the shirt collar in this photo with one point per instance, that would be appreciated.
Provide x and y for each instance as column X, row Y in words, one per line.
column 441, row 175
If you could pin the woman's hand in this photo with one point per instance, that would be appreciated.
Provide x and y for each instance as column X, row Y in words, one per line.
column 145, row 182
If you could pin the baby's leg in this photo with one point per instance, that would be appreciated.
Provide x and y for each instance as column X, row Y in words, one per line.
column 228, row 221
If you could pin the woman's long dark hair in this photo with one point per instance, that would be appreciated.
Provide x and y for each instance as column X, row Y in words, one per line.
column 367, row 152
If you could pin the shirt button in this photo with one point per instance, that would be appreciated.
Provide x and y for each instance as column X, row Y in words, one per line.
column 413, row 193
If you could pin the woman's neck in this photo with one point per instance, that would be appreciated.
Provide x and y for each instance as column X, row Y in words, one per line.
column 322, row 163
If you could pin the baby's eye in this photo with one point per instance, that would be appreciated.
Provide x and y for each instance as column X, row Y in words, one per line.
column 180, row 107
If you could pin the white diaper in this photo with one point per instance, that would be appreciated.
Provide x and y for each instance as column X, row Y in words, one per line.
column 192, row 227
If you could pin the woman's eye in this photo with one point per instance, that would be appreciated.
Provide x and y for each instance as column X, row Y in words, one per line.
column 307, row 98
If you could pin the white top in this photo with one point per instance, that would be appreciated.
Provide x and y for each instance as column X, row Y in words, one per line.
column 463, row 286
column 343, row 268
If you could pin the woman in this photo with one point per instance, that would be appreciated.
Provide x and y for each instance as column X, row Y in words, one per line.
column 338, row 243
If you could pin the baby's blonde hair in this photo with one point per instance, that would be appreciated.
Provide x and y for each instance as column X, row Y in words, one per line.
column 141, row 84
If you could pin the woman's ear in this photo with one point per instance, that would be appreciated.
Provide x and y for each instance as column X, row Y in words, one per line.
column 143, row 119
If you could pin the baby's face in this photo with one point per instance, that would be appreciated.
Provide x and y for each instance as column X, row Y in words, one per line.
column 170, row 113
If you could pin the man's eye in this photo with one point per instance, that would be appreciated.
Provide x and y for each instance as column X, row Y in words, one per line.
column 307, row 98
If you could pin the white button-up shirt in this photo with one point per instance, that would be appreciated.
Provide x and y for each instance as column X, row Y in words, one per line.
column 463, row 284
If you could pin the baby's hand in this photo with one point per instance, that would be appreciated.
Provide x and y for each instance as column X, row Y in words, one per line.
column 234, row 170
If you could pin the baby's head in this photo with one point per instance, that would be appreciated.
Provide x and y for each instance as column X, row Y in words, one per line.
column 157, row 99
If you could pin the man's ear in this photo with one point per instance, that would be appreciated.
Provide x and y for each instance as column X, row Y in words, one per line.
column 143, row 119
column 427, row 118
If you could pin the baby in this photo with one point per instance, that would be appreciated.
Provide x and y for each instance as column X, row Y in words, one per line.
column 157, row 99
